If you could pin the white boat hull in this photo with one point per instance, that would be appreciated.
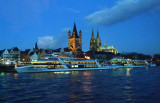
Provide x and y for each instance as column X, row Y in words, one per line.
column 33, row 70
column 28, row 69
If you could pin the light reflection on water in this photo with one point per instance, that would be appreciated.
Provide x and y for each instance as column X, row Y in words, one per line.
column 112, row 86
column 128, row 71
column 87, row 82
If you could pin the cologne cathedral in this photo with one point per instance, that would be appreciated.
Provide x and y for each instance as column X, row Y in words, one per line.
column 75, row 41
column 95, row 45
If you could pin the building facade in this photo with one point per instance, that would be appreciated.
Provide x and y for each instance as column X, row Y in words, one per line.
column 95, row 45
column 34, row 56
column 41, row 53
column 93, row 42
column 11, row 56
column 25, row 57
column 75, row 41
column 110, row 49
column 98, row 42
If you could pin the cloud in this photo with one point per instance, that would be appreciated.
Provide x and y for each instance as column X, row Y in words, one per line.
column 46, row 42
column 54, row 41
column 122, row 11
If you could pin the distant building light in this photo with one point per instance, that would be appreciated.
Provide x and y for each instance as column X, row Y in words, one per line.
column 87, row 57
column 7, row 63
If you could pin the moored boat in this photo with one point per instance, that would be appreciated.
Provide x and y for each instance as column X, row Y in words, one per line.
column 54, row 63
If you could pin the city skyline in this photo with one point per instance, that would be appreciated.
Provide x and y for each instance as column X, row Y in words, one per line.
column 128, row 25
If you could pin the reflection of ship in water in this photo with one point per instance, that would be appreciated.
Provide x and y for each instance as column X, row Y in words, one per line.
column 52, row 75
column 81, row 84
column 87, row 82
column 14, row 75
column 128, row 71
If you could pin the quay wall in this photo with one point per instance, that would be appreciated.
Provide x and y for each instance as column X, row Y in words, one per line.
column 10, row 68
column 158, row 64
column 7, row 68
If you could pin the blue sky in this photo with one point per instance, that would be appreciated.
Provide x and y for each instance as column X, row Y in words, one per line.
column 128, row 25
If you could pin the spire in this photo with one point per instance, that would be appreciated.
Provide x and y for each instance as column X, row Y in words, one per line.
column 36, row 46
column 92, row 42
column 98, row 40
column 97, row 33
column 105, row 43
column 69, row 34
column 92, row 33
column 75, row 31
column 74, row 27
column 80, row 31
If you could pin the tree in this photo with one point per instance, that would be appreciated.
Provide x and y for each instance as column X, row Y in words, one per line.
column 156, row 57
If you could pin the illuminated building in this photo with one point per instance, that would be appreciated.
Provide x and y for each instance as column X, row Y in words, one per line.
column 92, row 42
column 106, row 48
column 95, row 45
column 98, row 42
column 74, row 41
column 11, row 56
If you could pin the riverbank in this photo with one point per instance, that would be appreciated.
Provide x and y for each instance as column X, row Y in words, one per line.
column 7, row 68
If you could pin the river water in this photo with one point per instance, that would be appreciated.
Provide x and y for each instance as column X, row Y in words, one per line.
column 125, row 85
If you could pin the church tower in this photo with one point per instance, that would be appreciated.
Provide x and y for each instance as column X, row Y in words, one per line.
column 75, row 41
column 36, row 47
column 92, row 42
column 105, row 43
column 98, row 42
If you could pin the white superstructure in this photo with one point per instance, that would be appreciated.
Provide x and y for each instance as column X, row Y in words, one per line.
column 54, row 63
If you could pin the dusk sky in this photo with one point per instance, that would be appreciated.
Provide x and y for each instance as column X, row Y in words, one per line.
column 128, row 25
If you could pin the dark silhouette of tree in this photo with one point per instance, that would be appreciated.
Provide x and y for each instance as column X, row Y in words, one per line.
column 156, row 57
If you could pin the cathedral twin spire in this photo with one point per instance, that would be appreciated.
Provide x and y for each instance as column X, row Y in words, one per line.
column 93, row 34
column 95, row 43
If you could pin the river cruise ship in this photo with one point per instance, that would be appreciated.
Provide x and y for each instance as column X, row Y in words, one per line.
column 55, row 63
column 129, row 62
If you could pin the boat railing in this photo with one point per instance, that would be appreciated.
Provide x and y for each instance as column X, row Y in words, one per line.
column 97, row 63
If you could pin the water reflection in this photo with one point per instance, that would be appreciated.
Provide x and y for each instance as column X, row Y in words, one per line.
column 128, row 89
column 128, row 71
column 2, row 74
column 124, row 85
column 8, row 74
column 75, row 86
column 74, row 73
column 118, row 72
column 87, row 82
column 16, row 76
column 47, row 75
